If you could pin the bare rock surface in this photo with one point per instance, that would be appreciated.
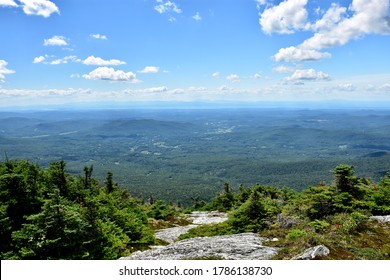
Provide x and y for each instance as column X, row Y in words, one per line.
column 313, row 252
column 244, row 246
column 202, row 218
column 382, row 219
column 197, row 218
column 171, row 234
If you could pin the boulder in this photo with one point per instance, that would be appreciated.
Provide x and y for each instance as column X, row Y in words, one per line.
column 313, row 252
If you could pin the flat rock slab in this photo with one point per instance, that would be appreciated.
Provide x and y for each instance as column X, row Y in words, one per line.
column 171, row 234
column 202, row 218
column 197, row 218
column 244, row 246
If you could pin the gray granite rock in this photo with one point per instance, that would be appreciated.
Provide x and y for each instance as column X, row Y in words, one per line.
column 245, row 246
column 197, row 218
column 313, row 252
column 382, row 219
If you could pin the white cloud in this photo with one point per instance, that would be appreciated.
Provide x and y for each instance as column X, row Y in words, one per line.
column 98, row 36
column 178, row 91
column 299, row 54
column 155, row 89
column 39, row 59
column 283, row 69
column 167, row 7
column 330, row 19
column 56, row 41
column 197, row 17
column 4, row 70
column 256, row 76
column 39, row 7
column 224, row 88
column 147, row 90
column 385, row 87
column 110, row 74
column 337, row 27
column 9, row 3
column 197, row 89
column 97, row 61
column 216, row 75
column 285, row 18
column 307, row 75
column 65, row 60
column 346, row 87
column 150, row 69
column 45, row 59
column 369, row 17
column 233, row 78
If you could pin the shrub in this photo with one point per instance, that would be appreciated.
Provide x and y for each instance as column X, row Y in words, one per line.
column 296, row 233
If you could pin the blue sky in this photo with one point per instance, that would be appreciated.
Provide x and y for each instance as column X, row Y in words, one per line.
column 119, row 51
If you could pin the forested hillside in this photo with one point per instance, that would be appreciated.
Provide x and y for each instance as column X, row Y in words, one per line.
column 182, row 154
column 50, row 214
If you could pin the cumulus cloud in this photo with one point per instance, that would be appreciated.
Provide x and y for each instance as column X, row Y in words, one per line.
column 224, row 88
column 369, row 17
column 283, row 69
column 346, row 87
column 256, row 76
column 98, row 36
column 197, row 17
column 39, row 59
column 39, row 7
column 65, row 60
column 233, row 78
column 307, row 75
column 167, row 6
column 55, row 61
column 150, row 69
column 299, row 54
column 9, row 3
column 330, row 19
column 56, row 41
column 178, row 91
column 285, row 18
column 216, row 75
column 110, row 74
column 337, row 26
column 155, row 89
column 97, row 61
column 4, row 70
column 147, row 90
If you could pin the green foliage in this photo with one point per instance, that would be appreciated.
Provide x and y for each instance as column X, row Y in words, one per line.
column 319, row 225
column 160, row 210
column 345, row 179
column 223, row 228
column 251, row 215
column 48, row 214
column 296, row 233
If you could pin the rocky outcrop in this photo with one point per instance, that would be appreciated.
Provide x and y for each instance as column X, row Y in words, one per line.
column 313, row 252
column 382, row 219
column 245, row 246
column 197, row 218
column 202, row 218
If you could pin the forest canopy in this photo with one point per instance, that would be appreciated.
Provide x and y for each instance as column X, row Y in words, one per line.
column 50, row 214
